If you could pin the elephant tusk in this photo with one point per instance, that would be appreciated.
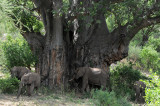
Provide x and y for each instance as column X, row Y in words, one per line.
column 71, row 79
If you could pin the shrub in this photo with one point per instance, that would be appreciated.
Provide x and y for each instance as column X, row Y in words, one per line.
column 105, row 98
column 9, row 85
column 2, row 58
column 17, row 52
column 134, row 53
column 123, row 78
column 154, row 42
column 150, row 58
column 152, row 90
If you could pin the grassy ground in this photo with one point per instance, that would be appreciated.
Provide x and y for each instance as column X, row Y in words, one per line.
column 42, row 100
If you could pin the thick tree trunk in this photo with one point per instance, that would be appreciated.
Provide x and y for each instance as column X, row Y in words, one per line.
column 50, row 50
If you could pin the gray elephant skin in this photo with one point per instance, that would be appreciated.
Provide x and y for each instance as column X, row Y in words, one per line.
column 18, row 71
column 139, row 88
column 31, row 80
column 93, row 76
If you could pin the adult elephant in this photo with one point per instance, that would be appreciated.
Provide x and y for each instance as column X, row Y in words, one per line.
column 19, row 71
column 93, row 76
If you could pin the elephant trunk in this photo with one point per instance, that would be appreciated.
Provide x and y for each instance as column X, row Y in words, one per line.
column 78, row 76
column 74, row 77
column 19, row 90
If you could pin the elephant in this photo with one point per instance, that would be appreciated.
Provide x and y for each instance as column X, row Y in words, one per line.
column 18, row 71
column 31, row 80
column 92, row 76
column 139, row 88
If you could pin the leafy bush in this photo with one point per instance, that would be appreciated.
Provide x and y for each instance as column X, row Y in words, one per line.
column 105, row 98
column 150, row 58
column 134, row 53
column 123, row 78
column 2, row 58
column 9, row 85
column 154, row 42
column 17, row 52
column 152, row 91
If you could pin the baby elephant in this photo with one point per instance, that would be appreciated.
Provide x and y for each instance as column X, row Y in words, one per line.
column 93, row 76
column 31, row 80
column 139, row 88
column 18, row 71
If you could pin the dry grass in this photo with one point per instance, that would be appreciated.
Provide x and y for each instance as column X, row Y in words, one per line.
column 11, row 100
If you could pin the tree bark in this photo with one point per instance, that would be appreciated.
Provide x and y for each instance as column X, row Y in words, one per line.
column 50, row 49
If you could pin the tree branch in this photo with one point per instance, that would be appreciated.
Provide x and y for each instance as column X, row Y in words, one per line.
column 144, row 23
column 115, row 1
column 35, row 40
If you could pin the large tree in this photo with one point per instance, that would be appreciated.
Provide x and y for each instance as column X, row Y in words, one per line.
column 76, row 33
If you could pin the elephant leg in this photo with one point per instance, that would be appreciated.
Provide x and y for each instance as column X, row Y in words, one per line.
column 19, row 91
column 36, row 88
column 109, row 85
column 31, row 89
column 28, row 90
column 88, row 88
column 104, row 86
column 143, row 92
column 85, row 84
column 137, row 94
column 142, row 96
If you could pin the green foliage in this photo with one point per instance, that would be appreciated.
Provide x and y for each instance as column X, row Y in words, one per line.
column 123, row 78
column 130, row 11
column 63, row 10
column 136, row 41
column 105, row 98
column 2, row 57
column 152, row 91
column 17, row 52
column 9, row 85
column 6, row 22
column 154, row 43
column 28, row 20
column 134, row 53
column 111, row 22
column 150, row 57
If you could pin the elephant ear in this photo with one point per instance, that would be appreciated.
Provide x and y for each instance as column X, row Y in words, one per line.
column 81, row 72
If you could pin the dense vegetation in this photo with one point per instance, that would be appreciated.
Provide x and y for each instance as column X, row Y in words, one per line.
column 17, row 53
column 142, row 62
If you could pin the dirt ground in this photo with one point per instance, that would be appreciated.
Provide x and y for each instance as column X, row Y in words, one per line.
column 52, row 100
